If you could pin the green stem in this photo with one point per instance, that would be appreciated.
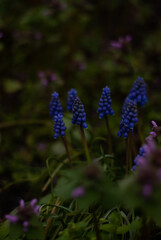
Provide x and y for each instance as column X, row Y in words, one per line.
column 85, row 144
column 130, row 148
column 96, row 227
column 127, row 155
column 109, row 135
column 133, row 145
column 67, row 151
column 128, row 142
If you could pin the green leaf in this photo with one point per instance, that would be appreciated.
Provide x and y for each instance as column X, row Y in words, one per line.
column 4, row 230
column 115, row 218
column 111, row 228
column 15, row 231
column 12, row 86
column 122, row 229
column 135, row 226
column 35, row 233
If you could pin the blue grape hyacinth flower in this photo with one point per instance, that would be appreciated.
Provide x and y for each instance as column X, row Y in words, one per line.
column 138, row 92
column 55, row 107
column 105, row 103
column 72, row 94
column 79, row 115
column 129, row 118
column 59, row 126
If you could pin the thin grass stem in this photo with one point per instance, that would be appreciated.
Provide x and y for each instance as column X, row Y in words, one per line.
column 85, row 144
column 109, row 135
column 67, row 151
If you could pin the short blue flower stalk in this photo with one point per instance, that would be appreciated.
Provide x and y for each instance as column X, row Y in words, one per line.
column 79, row 118
column 72, row 94
column 55, row 107
column 59, row 130
column 24, row 213
column 129, row 119
column 104, row 110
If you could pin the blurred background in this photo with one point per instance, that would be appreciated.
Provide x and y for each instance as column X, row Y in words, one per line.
column 55, row 45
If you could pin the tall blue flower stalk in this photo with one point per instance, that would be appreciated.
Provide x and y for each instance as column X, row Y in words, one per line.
column 55, row 107
column 72, row 94
column 79, row 118
column 138, row 92
column 104, row 110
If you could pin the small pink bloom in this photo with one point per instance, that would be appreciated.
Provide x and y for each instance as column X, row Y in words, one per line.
column 33, row 202
column 153, row 134
column 116, row 44
column 12, row 219
column 22, row 203
column 154, row 124
column 25, row 226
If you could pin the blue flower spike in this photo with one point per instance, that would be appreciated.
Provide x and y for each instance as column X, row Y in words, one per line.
column 55, row 107
column 59, row 126
column 129, row 118
column 138, row 92
column 105, row 108
column 79, row 115
column 72, row 94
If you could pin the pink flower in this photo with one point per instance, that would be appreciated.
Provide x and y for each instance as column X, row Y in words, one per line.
column 154, row 124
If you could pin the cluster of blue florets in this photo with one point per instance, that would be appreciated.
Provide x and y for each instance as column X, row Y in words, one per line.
column 105, row 103
column 56, row 111
column 79, row 115
column 129, row 118
column 72, row 94
column 59, row 126
column 55, row 107
column 138, row 92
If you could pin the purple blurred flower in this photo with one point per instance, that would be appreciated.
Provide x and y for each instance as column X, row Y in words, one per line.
column 53, row 77
column 1, row 34
column 44, row 82
column 154, row 124
column 12, row 219
column 147, row 190
column 46, row 12
column 25, row 226
column 159, row 174
column 115, row 44
column 41, row 146
column 63, row 6
column 78, row 192
column 121, row 42
column 128, row 38
column 37, row 36
column 24, row 213
column 153, row 134
column 41, row 74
